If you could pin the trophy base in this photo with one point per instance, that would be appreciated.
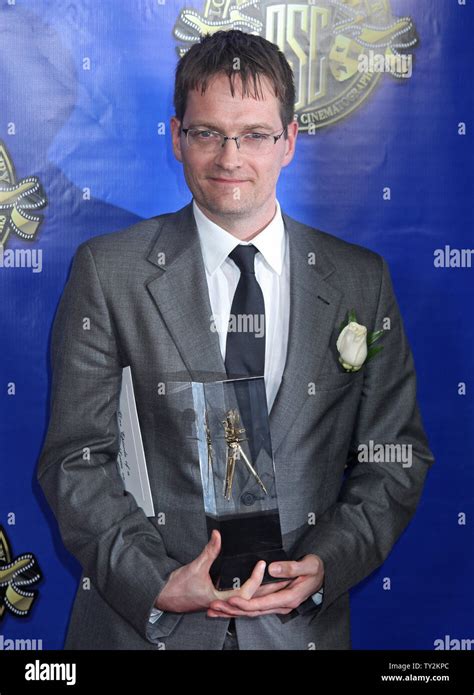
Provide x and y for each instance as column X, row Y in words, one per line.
column 246, row 539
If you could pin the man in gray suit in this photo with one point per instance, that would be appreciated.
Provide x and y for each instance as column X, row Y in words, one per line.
column 148, row 297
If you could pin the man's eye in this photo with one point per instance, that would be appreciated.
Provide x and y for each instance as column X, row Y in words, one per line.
column 204, row 134
column 255, row 136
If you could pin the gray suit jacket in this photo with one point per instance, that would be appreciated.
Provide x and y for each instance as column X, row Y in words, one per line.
column 139, row 297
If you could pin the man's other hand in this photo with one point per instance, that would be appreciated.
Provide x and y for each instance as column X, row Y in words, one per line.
column 307, row 578
column 190, row 588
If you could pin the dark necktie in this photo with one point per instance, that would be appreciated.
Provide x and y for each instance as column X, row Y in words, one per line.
column 245, row 351
column 245, row 347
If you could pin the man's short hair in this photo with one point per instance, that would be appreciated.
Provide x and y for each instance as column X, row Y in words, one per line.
column 235, row 52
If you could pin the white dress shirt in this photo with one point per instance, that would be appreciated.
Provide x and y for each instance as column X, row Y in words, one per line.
column 272, row 270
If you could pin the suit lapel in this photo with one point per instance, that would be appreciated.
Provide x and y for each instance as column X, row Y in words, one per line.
column 313, row 310
column 181, row 295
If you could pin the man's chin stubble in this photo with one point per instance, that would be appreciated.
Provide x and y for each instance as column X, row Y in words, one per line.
column 229, row 210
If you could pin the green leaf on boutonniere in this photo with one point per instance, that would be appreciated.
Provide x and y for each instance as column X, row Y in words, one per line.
column 373, row 351
column 351, row 316
column 372, row 337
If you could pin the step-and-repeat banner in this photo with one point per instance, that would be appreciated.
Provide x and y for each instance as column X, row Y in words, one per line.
column 384, row 159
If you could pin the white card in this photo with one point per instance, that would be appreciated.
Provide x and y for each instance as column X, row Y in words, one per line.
column 131, row 457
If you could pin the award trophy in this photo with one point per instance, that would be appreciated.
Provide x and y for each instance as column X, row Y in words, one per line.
column 238, row 477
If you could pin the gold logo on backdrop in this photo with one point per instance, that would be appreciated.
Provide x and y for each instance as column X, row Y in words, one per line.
column 16, row 574
column 338, row 49
column 18, row 201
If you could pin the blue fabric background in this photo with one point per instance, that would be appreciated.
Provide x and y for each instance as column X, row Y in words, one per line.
column 97, row 129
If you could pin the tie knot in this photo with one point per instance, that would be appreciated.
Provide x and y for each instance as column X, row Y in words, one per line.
column 244, row 257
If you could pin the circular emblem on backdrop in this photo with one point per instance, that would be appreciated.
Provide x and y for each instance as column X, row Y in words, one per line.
column 338, row 49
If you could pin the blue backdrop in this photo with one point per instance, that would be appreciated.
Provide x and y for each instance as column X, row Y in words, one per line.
column 386, row 162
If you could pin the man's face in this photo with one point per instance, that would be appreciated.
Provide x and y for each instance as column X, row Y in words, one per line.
column 226, row 183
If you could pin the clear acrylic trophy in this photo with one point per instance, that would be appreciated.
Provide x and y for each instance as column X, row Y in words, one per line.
column 238, row 476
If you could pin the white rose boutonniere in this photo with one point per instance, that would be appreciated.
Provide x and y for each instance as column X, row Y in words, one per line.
column 355, row 345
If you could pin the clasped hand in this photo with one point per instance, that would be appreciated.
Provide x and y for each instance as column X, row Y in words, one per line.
column 190, row 588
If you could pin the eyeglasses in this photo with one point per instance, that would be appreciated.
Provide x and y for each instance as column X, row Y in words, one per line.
column 248, row 143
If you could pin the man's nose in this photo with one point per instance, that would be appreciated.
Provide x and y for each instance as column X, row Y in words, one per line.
column 229, row 155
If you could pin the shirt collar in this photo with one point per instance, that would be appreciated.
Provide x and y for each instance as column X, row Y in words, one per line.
column 217, row 243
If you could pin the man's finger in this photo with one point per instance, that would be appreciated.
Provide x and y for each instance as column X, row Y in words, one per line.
column 215, row 614
column 310, row 564
column 224, row 609
column 271, row 588
column 237, row 613
column 288, row 598
column 283, row 599
column 210, row 551
column 247, row 589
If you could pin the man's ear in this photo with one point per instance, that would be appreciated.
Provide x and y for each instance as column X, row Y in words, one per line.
column 176, row 137
column 290, row 143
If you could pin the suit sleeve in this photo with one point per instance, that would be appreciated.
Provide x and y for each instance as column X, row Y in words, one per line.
column 119, row 548
column 377, row 500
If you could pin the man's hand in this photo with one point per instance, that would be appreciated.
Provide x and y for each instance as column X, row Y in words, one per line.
column 190, row 588
column 308, row 577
